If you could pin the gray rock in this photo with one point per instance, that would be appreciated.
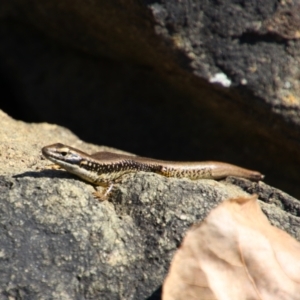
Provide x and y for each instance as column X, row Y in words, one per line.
column 209, row 79
column 58, row 242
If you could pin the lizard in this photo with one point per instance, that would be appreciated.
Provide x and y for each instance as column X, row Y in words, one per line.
column 104, row 168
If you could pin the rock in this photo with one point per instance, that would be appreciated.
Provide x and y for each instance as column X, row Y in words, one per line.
column 58, row 242
column 215, row 80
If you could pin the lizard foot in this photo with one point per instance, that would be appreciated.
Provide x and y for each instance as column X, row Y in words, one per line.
column 103, row 195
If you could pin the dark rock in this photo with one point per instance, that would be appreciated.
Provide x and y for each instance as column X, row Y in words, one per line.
column 58, row 242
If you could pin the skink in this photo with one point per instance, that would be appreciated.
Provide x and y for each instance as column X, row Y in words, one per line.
column 104, row 168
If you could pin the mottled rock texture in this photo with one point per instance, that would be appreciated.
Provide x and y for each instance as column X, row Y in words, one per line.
column 143, row 76
column 174, row 80
column 58, row 242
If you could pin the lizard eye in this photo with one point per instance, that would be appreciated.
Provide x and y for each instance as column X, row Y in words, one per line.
column 63, row 151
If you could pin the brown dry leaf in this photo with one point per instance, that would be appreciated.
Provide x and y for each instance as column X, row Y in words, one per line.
column 235, row 254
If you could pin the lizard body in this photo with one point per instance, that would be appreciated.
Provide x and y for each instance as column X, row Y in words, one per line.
column 103, row 168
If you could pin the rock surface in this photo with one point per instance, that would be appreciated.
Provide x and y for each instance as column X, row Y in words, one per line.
column 184, row 80
column 58, row 242
column 190, row 79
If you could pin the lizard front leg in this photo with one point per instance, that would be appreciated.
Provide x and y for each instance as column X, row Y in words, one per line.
column 105, row 191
